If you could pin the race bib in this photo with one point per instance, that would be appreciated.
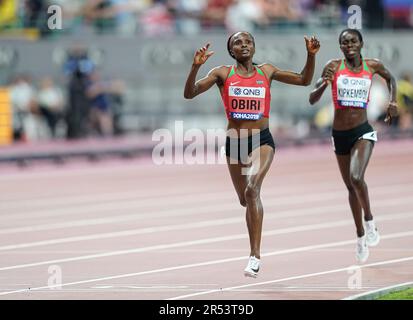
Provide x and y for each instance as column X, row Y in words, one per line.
column 246, row 103
column 353, row 91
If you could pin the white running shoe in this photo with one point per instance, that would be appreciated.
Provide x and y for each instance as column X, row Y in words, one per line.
column 362, row 250
column 372, row 235
column 252, row 268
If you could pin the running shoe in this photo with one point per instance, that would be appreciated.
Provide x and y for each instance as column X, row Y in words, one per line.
column 252, row 268
column 362, row 250
column 372, row 235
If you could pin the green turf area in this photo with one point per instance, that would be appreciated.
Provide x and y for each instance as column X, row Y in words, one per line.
column 399, row 295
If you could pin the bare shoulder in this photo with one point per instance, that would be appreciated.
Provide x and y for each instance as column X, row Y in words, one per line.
column 220, row 71
column 219, row 74
column 268, row 69
column 373, row 61
column 333, row 63
column 374, row 64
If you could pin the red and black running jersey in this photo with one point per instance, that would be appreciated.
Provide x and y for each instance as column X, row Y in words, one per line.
column 246, row 98
column 351, row 90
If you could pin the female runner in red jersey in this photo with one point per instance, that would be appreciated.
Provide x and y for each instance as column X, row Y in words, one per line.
column 245, row 91
column 353, row 137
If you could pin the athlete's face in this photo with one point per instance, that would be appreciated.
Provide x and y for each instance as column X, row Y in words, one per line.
column 242, row 46
column 350, row 45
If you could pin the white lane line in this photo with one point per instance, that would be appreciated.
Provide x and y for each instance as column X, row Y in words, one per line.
column 200, row 224
column 213, row 262
column 91, row 199
column 165, row 177
column 317, row 226
column 222, row 205
column 82, row 204
column 385, row 290
column 62, row 200
column 102, row 172
column 82, row 199
column 99, row 207
column 136, row 205
column 125, row 233
column 205, row 209
column 177, row 245
column 309, row 275
column 70, row 207
column 115, row 218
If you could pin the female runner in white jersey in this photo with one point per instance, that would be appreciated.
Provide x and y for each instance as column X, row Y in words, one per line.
column 245, row 91
column 353, row 137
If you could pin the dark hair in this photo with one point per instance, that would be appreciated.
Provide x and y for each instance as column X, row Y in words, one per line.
column 229, row 41
column 358, row 33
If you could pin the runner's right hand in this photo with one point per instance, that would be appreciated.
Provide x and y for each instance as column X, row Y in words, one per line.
column 202, row 55
column 329, row 75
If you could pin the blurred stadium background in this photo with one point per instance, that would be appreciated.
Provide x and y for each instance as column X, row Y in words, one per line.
column 116, row 69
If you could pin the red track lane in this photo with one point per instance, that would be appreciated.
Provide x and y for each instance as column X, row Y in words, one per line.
column 134, row 230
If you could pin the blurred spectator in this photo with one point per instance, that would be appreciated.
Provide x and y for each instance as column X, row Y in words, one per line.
column 117, row 101
column 124, row 13
column 405, row 101
column 323, row 119
column 23, row 100
column 8, row 13
column 157, row 17
column 114, row 15
column 284, row 10
column 51, row 103
column 78, row 62
column 28, row 125
column 374, row 14
column 78, row 107
column 34, row 13
column 244, row 15
column 157, row 20
column 378, row 101
column 78, row 67
column 188, row 15
column 400, row 13
column 301, row 129
column 99, row 13
column 101, row 93
column 215, row 13
column 328, row 13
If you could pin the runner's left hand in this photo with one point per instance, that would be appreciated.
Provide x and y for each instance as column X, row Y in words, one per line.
column 391, row 112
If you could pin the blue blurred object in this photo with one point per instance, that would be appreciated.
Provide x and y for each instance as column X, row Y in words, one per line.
column 78, row 64
column 397, row 3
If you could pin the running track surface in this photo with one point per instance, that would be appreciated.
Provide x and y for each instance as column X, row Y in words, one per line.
column 133, row 230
